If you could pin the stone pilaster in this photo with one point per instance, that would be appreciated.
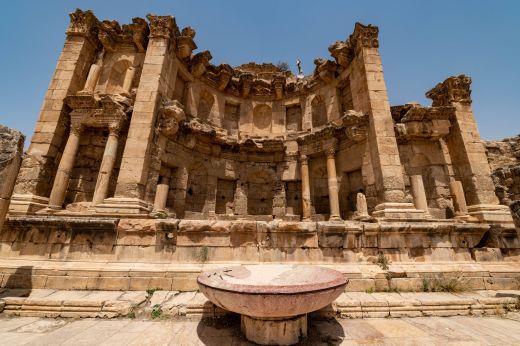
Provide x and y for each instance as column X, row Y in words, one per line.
column 467, row 152
column 132, row 180
column 38, row 167
column 370, row 97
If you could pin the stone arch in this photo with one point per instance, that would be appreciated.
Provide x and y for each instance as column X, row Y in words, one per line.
column 262, row 119
column 196, row 189
column 319, row 111
column 206, row 101
column 116, row 77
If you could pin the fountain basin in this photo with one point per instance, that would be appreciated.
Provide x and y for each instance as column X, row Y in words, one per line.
column 273, row 299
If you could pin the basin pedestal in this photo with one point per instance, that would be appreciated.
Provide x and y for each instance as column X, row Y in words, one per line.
column 274, row 331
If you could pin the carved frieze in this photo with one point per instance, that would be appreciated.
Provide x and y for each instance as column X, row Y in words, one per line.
column 429, row 123
column 98, row 110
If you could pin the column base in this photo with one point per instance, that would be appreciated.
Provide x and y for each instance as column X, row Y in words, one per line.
column 335, row 218
column 399, row 212
column 23, row 204
column 274, row 331
column 492, row 213
column 123, row 205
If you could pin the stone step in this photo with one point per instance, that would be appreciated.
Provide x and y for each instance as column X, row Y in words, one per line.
column 174, row 304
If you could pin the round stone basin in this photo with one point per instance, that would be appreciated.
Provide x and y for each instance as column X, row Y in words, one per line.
column 272, row 290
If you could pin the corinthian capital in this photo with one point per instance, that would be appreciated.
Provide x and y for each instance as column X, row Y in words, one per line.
column 162, row 26
column 82, row 23
column 365, row 36
column 452, row 90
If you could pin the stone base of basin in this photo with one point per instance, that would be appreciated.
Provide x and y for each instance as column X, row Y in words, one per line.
column 274, row 331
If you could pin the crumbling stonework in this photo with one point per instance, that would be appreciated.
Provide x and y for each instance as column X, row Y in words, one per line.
column 145, row 151
column 504, row 159
column 11, row 151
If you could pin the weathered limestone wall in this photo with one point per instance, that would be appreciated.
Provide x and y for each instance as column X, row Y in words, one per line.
column 11, row 151
column 504, row 159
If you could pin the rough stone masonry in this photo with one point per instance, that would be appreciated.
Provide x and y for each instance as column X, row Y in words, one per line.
column 145, row 152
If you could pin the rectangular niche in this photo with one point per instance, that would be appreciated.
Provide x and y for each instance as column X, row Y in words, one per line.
column 225, row 196
column 293, row 116
column 351, row 183
column 345, row 92
column 172, row 192
column 293, row 197
column 231, row 117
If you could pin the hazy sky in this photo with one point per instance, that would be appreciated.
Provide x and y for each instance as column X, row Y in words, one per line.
column 421, row 43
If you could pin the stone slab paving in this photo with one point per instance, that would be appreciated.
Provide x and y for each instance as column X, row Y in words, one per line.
column 226, row 331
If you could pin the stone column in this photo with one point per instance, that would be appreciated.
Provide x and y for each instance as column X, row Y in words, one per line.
column 418, row 192
column 161, row 194
column 92, row 79
column 459, row 201
column 333, row 185
column 39, row 165
column 107, row 165
column 306, row 189
column 61, row 180
column 129, row 78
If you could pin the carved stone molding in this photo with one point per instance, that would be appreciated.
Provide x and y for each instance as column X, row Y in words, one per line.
column 279, row 85
column 342, row 53
column 356, row 125
column 171, row 114
column 429, row 123
column 110, row 33
column 246, row 82
column 455, row 89
column 98, row 111
column 225, row 74
column 162, row 26
column 199, row 63
column 325, row 70
column 185, row 43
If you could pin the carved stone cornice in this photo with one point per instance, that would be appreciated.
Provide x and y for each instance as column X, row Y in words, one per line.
column 455, row 89
column 98, row 110
column 325, row 69
column 83, row 23
column 279, row 85
column 225, row 74
column 185, row 43
column 356, row 125
column 171, row 114
column 429, row 123
column 199, row 63
column 342, row 52
column 162, row 26
column 110, row 33
column 245, row 83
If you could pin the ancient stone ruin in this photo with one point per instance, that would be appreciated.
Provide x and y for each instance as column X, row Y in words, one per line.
column 148, row 161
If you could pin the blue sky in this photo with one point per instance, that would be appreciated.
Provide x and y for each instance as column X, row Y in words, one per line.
column 421, row 43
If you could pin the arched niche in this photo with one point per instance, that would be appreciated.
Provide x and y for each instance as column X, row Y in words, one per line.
column 319, row 111
column 262, row 119
column 117, row 75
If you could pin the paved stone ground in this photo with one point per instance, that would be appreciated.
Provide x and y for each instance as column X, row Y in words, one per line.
column 226, row 331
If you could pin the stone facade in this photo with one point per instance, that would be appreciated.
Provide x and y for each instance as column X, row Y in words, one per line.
column 145, row 151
